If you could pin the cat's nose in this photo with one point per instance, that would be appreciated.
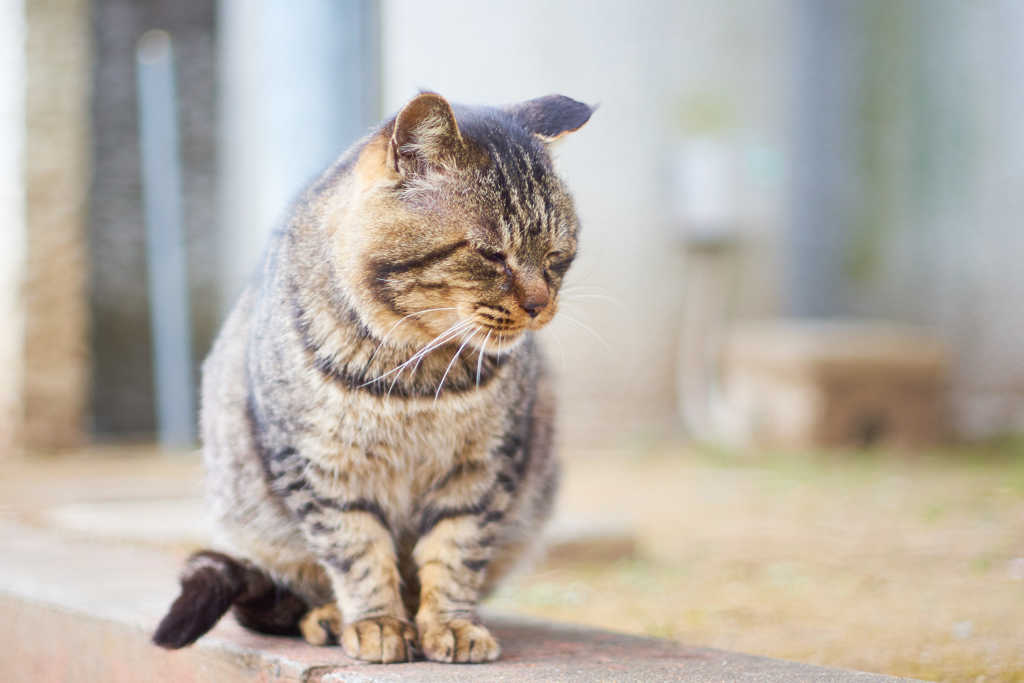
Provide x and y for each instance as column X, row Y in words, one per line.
column 535, row 301
column 533, row 294
column 533, row 309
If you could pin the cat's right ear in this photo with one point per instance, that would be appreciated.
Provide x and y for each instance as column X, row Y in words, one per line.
column 425, row 136
column 552, row 117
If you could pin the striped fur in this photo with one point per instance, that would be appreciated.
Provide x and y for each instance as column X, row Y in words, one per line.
column 386, row 491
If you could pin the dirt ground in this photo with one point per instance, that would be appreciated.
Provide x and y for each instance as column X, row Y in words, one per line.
column 909, row 564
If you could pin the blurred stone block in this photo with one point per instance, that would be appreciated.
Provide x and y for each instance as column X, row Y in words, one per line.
column 577, row 540
column 833, row 383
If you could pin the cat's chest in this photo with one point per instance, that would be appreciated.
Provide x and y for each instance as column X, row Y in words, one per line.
column 414, row 438
column 396, row 455
column 369, row 421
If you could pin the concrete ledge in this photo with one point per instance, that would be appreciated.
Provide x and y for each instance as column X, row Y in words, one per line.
column 76, row 609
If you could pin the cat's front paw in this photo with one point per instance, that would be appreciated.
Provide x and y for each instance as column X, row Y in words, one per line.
column 321, row 625
column 380, row 639
column 458, row 640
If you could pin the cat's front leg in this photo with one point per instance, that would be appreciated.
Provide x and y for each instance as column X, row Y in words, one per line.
column 352, row 540
column 457, row 536
column 356, row 546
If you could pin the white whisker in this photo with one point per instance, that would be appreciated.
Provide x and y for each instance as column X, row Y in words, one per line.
column 480, row 357
column 588, row 329
column 450, row 334
column 452, row 362
column 578, row 288
column 418, row 357
column 430, row 346
column 572, row 296
column 439, row 340
column 577, row 300
column 400, row 321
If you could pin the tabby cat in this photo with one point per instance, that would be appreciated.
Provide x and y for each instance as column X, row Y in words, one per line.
column 376, row 418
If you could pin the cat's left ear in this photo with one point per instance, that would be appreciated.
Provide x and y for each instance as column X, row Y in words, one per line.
column 551, row 117
column 425, row 135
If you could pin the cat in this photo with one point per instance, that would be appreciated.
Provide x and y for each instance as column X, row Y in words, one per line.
column 376, row 417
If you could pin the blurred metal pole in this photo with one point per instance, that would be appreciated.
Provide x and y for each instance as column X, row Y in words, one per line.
column 824, row 168
column 165, row 248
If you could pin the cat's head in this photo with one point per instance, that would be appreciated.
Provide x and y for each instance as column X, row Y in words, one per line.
column 455, row 223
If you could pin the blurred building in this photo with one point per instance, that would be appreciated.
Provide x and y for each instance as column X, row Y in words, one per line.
column 866, row 161
column 45, row 162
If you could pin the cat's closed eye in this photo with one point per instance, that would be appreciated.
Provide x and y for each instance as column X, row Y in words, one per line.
column 493, row 256
column 559, row 263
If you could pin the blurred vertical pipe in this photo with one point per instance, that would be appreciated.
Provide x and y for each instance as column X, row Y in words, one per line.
column 168, row 278
column 824, row 177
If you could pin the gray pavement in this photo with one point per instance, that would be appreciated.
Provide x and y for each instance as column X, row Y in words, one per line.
column 74, row 607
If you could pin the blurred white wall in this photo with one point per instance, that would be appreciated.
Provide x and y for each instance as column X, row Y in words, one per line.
column 968, row 262
column 646, row 64
column 298, row 86
column 936, row 229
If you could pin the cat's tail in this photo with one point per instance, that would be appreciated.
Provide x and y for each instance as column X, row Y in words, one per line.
column 210, row 584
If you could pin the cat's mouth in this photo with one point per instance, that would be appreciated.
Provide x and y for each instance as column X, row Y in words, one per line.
column 500, row 331
column 500, row 320
column 496, row 329
column 488, row 328
column 495, row 340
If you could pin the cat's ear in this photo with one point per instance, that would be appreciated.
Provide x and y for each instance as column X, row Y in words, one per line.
column 551, row 117
column 425, row 136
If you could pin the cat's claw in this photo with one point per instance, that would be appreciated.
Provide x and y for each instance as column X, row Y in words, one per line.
column 380, row 639
column 459, row 640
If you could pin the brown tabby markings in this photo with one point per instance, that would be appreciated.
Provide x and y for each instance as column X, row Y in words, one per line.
column 375, row 484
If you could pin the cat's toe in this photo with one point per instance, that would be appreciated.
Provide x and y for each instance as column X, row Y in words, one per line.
column 459, row 640
column 321, row 625
column 380, row 639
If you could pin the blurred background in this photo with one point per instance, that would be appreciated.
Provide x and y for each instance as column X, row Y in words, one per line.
column 798, row 306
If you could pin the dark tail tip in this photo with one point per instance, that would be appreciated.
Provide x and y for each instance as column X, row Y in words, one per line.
column 210, row 583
